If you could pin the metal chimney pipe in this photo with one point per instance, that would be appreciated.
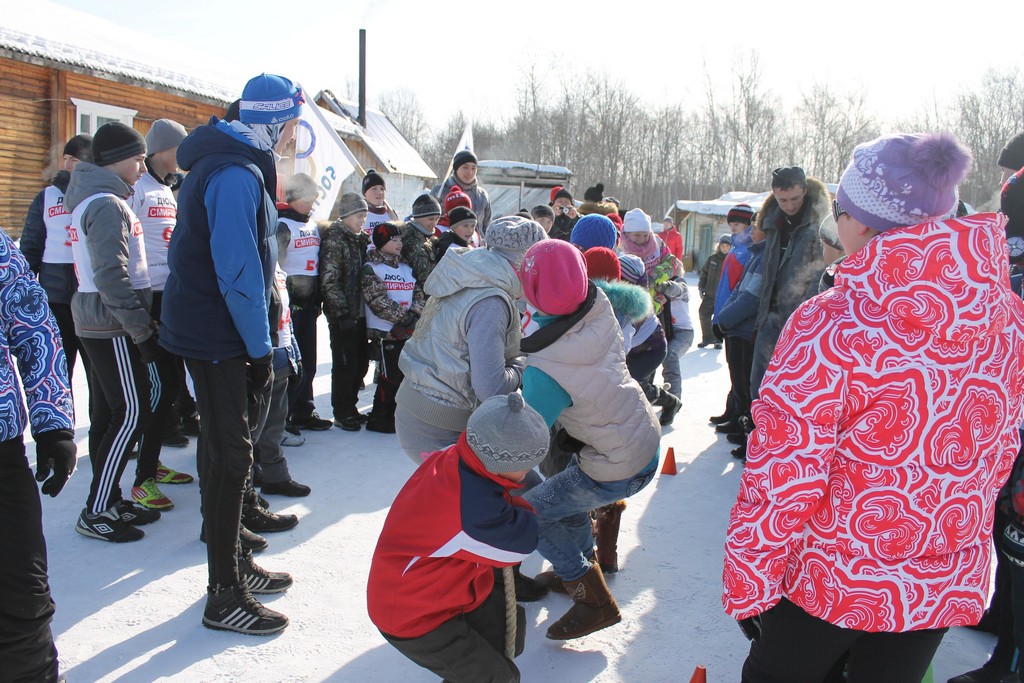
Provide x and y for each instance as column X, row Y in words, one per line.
column 362, row 77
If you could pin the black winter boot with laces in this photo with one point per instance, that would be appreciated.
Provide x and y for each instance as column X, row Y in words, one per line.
column 232, row 608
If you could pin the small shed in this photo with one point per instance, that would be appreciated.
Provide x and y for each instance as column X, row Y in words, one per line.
column 515, row 185
column 67, row 72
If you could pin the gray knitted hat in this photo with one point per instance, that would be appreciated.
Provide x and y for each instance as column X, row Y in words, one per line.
column 351, row 203
column 508, row 435
column 425, row 205
column 511, row 236
column 164, row 134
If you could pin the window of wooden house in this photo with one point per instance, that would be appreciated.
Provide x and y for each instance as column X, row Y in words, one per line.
column 91, row 115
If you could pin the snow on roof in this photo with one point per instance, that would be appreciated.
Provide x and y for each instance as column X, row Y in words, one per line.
column 344, row 127
column 385, row 141
column 60, row 34
column 526, row 166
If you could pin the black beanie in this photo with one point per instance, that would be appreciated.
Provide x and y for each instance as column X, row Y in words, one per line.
column 80, row 147
column 1012, row 156
column 460, row 214
column 383, row 232
column 425, row 205
column 372, row 179
column 594, row 194
column 115, row 142
column 463, row 157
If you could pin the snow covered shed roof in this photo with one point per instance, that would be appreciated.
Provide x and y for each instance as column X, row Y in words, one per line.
column 525, row 170
column 47, row 33
column 382, row 138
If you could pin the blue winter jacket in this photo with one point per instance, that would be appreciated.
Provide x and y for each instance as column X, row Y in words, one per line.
column 741, row 252
column 738, row 315
column 222, row 252
column 29, row 333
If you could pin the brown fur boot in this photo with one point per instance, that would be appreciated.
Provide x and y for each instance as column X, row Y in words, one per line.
column 607, row 533
column 593, row 607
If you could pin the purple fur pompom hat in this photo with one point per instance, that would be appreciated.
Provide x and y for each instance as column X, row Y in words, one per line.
column 900, row 180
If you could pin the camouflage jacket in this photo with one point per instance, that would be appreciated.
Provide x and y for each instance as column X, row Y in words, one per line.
column 418, row 251
column 376, row 295
column 342, row 255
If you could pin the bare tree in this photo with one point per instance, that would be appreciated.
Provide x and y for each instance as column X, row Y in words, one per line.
column 402, row 107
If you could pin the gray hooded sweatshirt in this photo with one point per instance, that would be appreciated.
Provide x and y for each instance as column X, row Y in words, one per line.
column 116, row 309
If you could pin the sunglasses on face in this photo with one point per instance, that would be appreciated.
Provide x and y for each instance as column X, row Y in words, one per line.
column 837, row 210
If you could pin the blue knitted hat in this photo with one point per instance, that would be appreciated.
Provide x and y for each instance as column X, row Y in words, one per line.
column 594, row 230
column 269, row 99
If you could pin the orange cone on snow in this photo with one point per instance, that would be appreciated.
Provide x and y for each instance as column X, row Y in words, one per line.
column 669, row 467
column 700, row 674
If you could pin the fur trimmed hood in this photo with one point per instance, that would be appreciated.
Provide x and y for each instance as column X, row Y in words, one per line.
column 820, row 204
column 603, row 208
column 629, row 301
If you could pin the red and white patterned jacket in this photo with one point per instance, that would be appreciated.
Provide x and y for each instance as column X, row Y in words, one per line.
column 887, row 423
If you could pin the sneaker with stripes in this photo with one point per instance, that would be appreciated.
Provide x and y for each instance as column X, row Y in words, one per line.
column 136, row 515
column 232, row 608
column 258, row 579
column 148, row 495
column 165, row 475
column 107, row 526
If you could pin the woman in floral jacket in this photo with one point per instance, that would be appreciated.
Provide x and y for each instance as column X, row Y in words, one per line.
column 886, row 424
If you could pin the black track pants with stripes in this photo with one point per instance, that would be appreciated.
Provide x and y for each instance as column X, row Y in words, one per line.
column 119, row 413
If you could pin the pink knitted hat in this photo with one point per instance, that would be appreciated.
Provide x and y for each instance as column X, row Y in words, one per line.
column 554, row 277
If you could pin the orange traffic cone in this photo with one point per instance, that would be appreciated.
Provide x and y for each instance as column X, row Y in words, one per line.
column 700, row 674
column 669, row 467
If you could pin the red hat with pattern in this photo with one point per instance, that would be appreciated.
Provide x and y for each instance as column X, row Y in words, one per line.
column 456, row 197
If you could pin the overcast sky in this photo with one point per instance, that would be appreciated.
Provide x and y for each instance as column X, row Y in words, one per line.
column 470, row 56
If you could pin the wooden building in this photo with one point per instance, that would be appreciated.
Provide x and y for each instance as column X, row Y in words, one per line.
column 62, row 73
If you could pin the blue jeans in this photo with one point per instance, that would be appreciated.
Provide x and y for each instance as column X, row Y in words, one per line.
column 563, row 504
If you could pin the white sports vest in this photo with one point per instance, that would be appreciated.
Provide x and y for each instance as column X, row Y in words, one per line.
column 57, row 220
column 284, row 330
column 399, row 282
column 153, row 203
column 138, row 275
column 303, row 255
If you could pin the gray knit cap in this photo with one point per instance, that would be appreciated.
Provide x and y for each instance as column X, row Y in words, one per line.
column 164, row 134
column 511, row 236
column 508, row 435
column 351, row 203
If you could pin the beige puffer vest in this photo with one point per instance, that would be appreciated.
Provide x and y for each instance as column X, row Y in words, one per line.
column 609, row 412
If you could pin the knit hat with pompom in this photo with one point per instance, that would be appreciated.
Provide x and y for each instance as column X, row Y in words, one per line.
column 900, row 180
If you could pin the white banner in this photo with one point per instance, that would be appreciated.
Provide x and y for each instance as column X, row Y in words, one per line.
column 321, row 154
column 466, row 141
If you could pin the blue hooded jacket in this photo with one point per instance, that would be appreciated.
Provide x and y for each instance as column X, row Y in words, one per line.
column 739, row 313
column 222, row 252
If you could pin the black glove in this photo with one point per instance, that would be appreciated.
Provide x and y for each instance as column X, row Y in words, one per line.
column 260, row 374
column 400, row 332
column 149, row 349
column 717, row 331
column 296, row 377
column 410, row 319
column 55, row 452
column 751, row 627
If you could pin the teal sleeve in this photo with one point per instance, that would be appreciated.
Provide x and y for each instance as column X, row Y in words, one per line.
column 544, row 394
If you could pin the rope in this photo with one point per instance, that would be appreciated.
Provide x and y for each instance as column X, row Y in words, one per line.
column 510, row 611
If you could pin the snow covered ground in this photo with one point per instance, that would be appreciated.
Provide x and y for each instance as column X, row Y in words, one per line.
column 131, row 613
